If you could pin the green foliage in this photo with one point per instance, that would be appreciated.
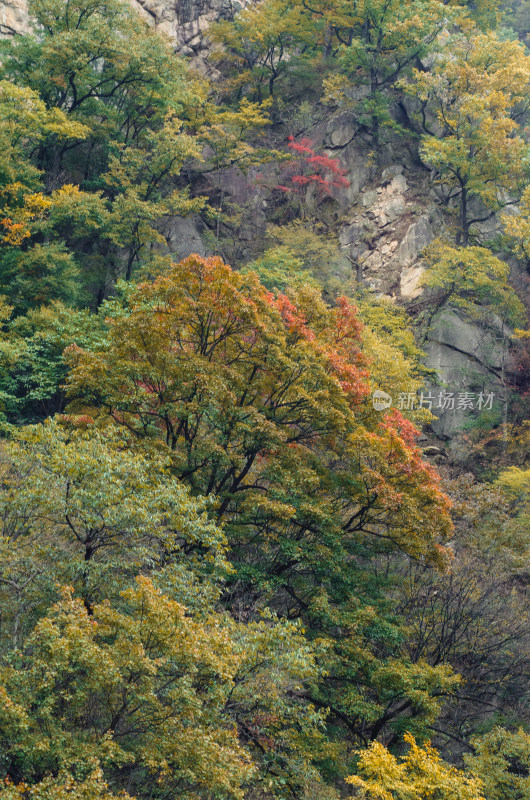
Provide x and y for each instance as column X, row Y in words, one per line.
column 473, row 279
column 80, row 60
column 320, row 254
column 64, row 787
column 262, row 42
column 31, row 359
column 126, row 104
column 502, row 762
column 394, row 357
column 222, row 569
column 140, row 690
column 279, row 268
column 45, row 271
column 380, row 42
column 517, row 226
column 514, row 484
column 26, row 121
column 256, row 398
column 94, row 514
column 87, row 509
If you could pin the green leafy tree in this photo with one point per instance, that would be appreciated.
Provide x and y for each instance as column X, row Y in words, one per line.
column 279, row 267
column 31, row 359
column 146, row 119
column 320, row 254
column 80, row 508
column 30, row 271
column 139, row 690
column 502, row 762
column 80, row 60
column 473, row 279
column 380, row 43
column 517, row 226
column 475, row 87
column 262, row 42
column 86, row 508
column 130, row 102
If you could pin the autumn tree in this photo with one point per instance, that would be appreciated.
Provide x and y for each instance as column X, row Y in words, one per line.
column 475, row 88
column 87, row 509
column 502, row 762
column 517, row 226
column 262, row 402
column 471, row 279
column 30, row 271
column 138, row 689
column 93, row 516
column 310, row 175
column 418, row 774
column 262, row 43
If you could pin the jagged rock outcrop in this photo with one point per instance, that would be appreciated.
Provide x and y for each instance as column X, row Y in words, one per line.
column 185, row 22
column 13, row 17
column 392, row 216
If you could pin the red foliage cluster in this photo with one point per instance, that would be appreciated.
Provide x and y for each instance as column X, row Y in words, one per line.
column 312, row 167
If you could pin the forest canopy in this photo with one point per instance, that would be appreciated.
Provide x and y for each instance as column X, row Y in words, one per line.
column 225, row 571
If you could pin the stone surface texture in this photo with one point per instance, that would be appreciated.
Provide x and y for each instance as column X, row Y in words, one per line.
column 185, row 22
column 13, row 17
column 467, row 357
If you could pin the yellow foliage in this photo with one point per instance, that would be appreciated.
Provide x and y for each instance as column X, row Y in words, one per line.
column 517, row 226
column 418, row 775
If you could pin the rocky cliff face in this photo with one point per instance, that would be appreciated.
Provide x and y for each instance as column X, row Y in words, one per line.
column 392, row 213
column 183, row 21
column 13, row 17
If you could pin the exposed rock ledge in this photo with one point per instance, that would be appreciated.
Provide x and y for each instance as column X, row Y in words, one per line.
column 185, row 22
column 13, row 17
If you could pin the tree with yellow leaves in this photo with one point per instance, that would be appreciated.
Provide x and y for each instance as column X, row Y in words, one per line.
column 517, row 226
column 473, row 279
column 474, row 87
column 45, row 271
column 501, row 759
column 380, row 41
column 137, row 689
column 418, row 775
column 262, row 43
column 85, row 508
column 261, row 399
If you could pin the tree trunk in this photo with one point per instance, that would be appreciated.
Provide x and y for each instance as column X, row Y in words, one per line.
column 462, row 236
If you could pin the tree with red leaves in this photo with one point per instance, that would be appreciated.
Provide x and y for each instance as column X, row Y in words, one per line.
column 309, row 168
